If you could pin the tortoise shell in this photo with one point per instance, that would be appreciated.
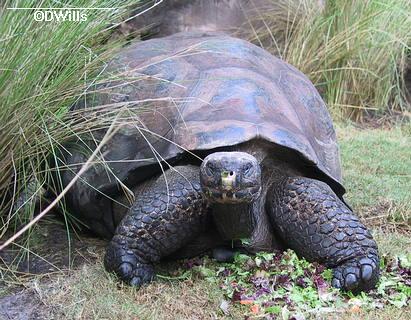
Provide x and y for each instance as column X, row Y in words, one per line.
column 201, row 91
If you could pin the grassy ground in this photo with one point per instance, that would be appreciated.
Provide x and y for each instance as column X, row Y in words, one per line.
column 377, row 170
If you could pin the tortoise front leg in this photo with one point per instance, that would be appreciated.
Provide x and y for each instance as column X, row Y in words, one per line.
column 161, row 221
column 315, row 223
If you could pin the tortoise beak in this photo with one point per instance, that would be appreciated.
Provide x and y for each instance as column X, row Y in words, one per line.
column 228, row 180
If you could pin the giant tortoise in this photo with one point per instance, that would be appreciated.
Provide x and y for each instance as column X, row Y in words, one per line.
column 218, row 141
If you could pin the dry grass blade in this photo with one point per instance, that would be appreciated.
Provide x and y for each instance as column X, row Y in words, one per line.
column 60, row 196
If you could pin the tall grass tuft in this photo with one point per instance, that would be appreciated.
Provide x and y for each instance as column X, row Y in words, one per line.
column 354, row 51
column 44, row 68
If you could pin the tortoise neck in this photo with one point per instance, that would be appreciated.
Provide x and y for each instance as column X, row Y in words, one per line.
column 234, row 221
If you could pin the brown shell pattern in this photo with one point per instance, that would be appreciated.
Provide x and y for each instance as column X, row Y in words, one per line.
column 204, row 90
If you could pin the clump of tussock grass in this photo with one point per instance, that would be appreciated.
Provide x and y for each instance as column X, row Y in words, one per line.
column 44, row 68
column 355, row 52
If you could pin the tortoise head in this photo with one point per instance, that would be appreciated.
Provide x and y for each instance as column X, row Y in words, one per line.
column 230, row 177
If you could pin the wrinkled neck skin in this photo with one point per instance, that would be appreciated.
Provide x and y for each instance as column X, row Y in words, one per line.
column 234, row 221
column 249, row 221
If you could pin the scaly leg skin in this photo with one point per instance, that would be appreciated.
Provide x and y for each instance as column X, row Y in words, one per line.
column 160, row 222
column 317, row 225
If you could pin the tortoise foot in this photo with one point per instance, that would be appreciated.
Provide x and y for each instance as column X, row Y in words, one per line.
column 357, row 274
column 320, row 227
column 167, row 214
column 127, row 265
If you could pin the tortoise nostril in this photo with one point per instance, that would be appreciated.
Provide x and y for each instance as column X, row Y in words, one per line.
column 231, row 173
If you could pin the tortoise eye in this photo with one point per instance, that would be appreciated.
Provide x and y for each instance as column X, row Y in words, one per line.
column 210, row 169
column 248, row 169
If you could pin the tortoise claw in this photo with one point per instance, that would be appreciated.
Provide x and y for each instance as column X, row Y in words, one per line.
column 127, row 265
column 357, row 274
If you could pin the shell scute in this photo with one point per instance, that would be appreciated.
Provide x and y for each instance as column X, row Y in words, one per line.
column 205, row 91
